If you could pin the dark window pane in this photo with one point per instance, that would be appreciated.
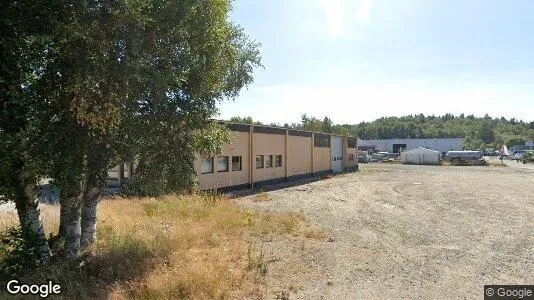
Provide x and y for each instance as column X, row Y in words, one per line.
column 269, row 161
column 236, row 163
column 259, row 161
column 278, row 161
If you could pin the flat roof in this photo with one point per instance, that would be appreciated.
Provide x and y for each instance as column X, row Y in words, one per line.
column 284, row 128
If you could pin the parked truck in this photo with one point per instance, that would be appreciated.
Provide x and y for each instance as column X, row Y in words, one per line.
column 463, row 157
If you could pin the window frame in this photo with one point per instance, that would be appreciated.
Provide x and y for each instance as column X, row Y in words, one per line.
column 262, row 162
column 240, row 163
column 350, row 157
column 227, row 164
column 212, row 166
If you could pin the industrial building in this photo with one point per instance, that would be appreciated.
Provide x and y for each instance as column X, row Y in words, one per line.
column 262, row 155
column 399, row 145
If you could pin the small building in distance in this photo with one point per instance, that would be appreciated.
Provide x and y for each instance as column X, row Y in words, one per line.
column 421, row 156
column 398, row 145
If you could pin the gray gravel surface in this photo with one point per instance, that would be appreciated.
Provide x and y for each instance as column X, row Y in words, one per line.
column 519, row 166
column 7, row 207
column 395, row 231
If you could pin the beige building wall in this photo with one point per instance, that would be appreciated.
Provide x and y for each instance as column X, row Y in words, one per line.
column 321, row 159
column 354, row 152
column 268, row 144
column 297, row 162
column 298, row 155
column 238, row 147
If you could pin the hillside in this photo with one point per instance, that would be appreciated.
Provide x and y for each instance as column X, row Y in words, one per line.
column 479, row 132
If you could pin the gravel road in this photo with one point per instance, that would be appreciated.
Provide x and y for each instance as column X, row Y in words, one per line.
column 395, row 231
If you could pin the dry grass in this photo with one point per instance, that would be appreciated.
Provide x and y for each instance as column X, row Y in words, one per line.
column 373, row 170
column 172, row 247
column 262, row 197
column 49, row 215
column 314, row 233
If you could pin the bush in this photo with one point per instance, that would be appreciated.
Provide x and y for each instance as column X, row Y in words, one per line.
column 18, row 252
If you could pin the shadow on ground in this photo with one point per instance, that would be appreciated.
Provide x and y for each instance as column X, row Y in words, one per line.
column 94, row 275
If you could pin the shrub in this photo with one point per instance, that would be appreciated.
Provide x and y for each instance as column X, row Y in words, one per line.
column 18, row 251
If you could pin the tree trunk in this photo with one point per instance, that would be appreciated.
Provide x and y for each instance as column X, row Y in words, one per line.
column 120, row 175
column 89, row 210
column 70, row 223
column 29, row 215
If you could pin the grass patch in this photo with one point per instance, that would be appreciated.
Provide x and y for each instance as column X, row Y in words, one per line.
column 172, row 247
column 314, row 233
column 262, row 197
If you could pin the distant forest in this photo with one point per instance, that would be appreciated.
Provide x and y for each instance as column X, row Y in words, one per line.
column 478, row 133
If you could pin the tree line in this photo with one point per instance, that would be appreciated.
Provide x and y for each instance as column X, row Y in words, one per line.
column 479, row 133
column 86, row 85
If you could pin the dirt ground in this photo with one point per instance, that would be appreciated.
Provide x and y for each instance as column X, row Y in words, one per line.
column 396, row 231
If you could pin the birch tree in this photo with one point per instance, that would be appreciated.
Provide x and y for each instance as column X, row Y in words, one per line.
column 122, row 78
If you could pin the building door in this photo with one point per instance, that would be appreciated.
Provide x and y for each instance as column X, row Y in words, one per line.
column 337, row 154
column 397, row 148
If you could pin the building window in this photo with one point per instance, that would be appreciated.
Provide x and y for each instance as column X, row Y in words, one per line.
column 222, row 164
column 322, row 140
column 278, row 161
column 206, row 165
column 269, row 161
column 236, row 163
column 351, row 156
column 259, row 161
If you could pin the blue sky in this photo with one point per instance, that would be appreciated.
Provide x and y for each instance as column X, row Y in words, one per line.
column 358, row 60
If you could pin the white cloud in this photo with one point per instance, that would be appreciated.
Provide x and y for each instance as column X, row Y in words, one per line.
column 363, row 14
column 333, row 10
column 341, row 14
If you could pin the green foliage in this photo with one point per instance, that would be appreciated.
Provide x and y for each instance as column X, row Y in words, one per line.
column 244, row 120
column 311, row 124
column 514, row 141
column 18, row 252
column 88, row 84
column 208, row 141
column 479, row 133
column 117, row 80
column 199, row 58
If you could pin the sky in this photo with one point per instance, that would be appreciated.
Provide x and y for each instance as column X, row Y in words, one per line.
column 359, row 60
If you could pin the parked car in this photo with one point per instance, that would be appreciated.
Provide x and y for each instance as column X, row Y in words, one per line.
column 380, row 156
column 518, row 156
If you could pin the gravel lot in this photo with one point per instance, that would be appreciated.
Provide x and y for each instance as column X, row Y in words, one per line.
column 395, row 231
